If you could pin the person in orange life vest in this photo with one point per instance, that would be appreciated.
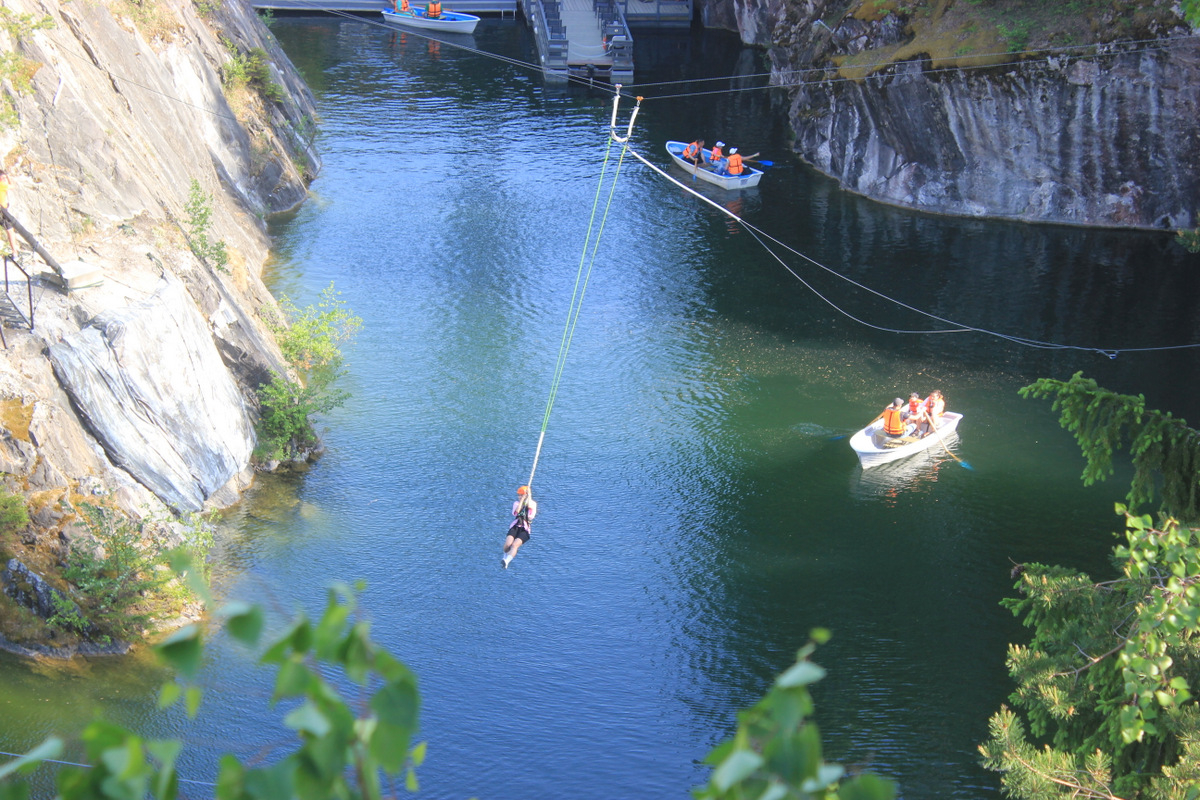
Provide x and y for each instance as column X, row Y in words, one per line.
column 931, row 411
column 717, row 155
column 733, row 164
column 524, row 509
column 693, row 151
column 434, row 9
column 893, row 419
column 405, row 7
column 915, row 407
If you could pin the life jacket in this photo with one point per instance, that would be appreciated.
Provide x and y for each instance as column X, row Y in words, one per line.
column 935, row 406
column 914, row 406
column 692, row 150
column 893, row 425
column 735, row 164
column 434, row 9
column 405, row 7
column 716, row 155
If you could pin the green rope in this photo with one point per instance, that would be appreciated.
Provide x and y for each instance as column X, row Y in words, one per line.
column 580, row 289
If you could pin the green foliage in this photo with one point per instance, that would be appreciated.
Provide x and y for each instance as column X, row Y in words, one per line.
column 207, row 8
column 199, row 223
column 122, row 583
column 344, row 748
column 250, row 69
column 1165, row 451
column 111, row 583
column 311, row 341
column 267, row 16
column 776, row 752
column 1191, row 12
column 353, row 749
column 1190, row 238
column 15, row 67
column 1107, row 677
column 14, row 515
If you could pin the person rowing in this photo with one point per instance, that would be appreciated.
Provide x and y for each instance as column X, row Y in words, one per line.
column 694, row 152
column 524, row 510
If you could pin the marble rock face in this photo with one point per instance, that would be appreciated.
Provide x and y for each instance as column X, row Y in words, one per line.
column 151, row 385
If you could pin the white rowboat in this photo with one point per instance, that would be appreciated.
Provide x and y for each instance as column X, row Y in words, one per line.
column 749, row 177
column 875, row 448
column 448, row 22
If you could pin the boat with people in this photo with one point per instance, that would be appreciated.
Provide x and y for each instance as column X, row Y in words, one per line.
column 446, row 22
column 749, row 177
column 874, row 447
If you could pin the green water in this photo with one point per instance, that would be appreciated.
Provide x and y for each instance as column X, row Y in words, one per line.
column 700, row 512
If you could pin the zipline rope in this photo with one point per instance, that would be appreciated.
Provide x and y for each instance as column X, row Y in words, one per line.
column 582, row 276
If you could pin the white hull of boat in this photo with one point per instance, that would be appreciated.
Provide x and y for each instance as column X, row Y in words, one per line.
column 448, row 22
column 869, row 443
column 749, row 178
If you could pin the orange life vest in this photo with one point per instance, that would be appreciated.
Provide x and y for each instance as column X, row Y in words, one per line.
column 405, row 7
column 692, row 150
column 735, row 164
column 434, row 9
column 892, row 424
column 935, row 406
column 716, row 155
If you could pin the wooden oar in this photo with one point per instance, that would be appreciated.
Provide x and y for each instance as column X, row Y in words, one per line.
column 933, row 425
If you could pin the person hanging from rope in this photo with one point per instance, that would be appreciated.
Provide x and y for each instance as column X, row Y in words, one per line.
column 524, row 510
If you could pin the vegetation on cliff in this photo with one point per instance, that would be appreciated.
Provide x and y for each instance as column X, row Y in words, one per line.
column 311, row 340
column 982, row 33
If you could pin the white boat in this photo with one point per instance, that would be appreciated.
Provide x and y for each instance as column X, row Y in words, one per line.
column 749, row 177
column 875, row 448
column 448, row 22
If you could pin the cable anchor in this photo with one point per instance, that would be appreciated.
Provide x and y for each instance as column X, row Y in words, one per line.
column 612, row 128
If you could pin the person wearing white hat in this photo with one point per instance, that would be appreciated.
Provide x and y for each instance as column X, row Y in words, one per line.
column 733, row 164
column 717, row 155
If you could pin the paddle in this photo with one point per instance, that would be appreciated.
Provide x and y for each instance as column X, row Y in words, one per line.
column 763, row 164
column 933, row 425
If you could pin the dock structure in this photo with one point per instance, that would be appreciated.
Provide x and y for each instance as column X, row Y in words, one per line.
column 582, row 39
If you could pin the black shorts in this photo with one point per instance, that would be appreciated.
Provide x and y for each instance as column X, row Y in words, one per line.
column 517, row 532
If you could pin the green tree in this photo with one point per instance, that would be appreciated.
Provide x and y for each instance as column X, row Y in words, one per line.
column 311, row 341
column 1105, row 683
column 1165, row 451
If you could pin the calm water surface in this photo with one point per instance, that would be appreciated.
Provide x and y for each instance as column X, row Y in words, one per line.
column 699, row 512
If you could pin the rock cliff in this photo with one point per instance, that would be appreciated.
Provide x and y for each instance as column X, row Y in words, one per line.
column 913, row 104
column 136, row 391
